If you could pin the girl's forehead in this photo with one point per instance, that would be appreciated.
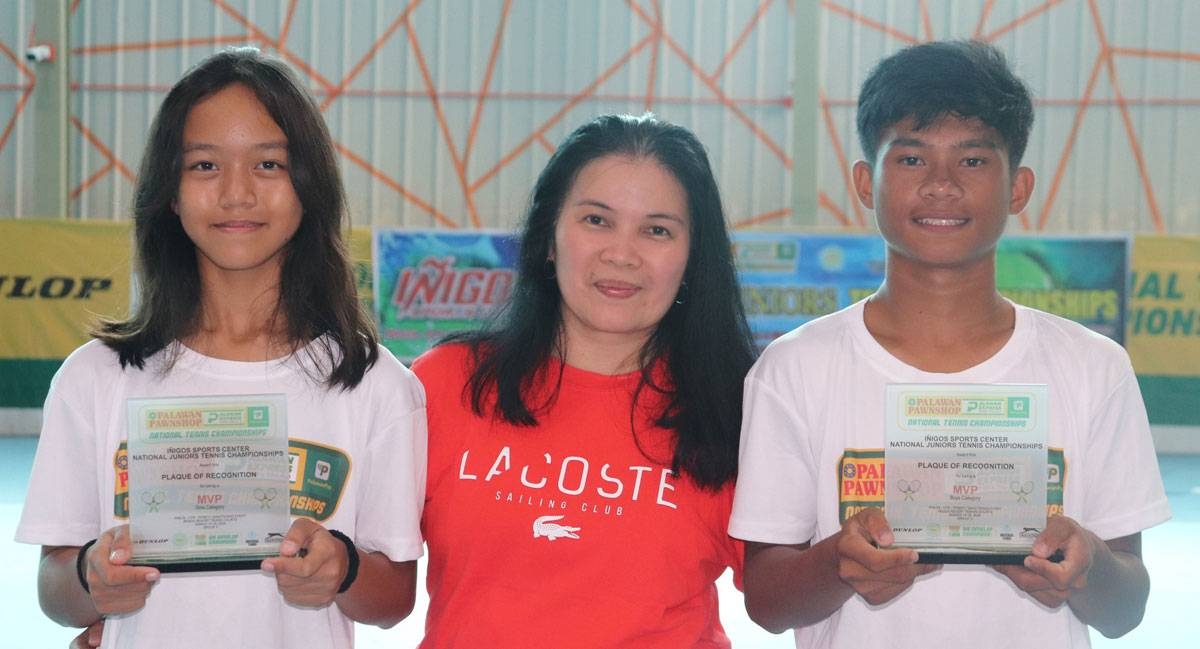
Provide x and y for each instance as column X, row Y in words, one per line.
column 233, row 112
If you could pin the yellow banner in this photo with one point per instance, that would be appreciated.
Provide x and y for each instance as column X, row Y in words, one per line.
column 359, row 243
column 57, row 278
column 1164, row 306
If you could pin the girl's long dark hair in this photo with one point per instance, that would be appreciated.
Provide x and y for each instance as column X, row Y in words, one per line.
column 704, row 341
column 317, row 294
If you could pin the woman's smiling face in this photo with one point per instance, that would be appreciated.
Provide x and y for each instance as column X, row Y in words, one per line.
column 620, row 250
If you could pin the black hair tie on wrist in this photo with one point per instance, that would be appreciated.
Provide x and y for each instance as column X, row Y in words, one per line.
column 352, row 558
column 80, row 568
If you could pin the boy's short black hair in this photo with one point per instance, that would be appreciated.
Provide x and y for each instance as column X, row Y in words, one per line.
column 926, row 82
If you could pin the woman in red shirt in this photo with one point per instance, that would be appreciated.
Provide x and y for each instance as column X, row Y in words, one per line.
column 583, row 447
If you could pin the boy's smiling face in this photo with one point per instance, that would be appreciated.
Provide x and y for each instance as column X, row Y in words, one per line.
column 942, row 194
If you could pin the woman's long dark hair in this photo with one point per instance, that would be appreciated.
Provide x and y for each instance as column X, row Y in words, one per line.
column 704, row 341
column 317, row 295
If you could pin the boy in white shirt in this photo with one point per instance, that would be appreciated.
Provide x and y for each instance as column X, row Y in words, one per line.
column 943, row 127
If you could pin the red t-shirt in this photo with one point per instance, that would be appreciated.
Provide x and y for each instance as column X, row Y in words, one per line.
column 565, row 534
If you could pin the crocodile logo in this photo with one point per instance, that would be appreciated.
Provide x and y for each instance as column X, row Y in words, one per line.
column 545, row 526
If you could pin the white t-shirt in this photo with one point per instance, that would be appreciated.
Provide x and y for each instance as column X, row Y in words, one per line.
column 371, row 443
column 812, row 455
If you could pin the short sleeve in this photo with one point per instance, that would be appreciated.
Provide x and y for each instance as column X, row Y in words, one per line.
column 775, row 497
column 61, row 499
column 393, row 490
column 1124, row 490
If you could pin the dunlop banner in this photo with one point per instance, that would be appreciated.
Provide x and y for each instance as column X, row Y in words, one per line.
column 1164, row 326
column 56, row 278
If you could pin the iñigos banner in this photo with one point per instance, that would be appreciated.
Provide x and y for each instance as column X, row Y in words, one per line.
column 429, row 284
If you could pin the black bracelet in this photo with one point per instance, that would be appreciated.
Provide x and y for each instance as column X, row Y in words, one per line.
column 81, row 567
column 352, row 558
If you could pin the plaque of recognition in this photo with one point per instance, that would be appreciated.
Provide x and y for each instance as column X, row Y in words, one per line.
column 208, row 481
column 965, row 470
